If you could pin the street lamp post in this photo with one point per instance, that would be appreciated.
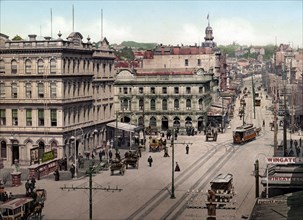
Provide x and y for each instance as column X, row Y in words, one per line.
column 172, row 196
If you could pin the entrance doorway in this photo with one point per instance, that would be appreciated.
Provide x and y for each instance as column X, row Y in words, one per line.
column 164, row 125
column 15, row 153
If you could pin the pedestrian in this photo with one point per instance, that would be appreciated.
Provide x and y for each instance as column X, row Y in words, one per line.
column 139, row 151
column 296, row 143
column 177, row 169
column 263, row 123
column 187, row 149
column 150, row 161
column 110, row 154
column 291, row 141
column 166, row 152
column 100, row 155
column 33, row 181
column 176, row 135
column 27, row 187
column 93, row 156
column 72, row 170
column 57, row 175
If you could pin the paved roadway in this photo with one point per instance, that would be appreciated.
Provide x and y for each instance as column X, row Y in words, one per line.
column 146, row 191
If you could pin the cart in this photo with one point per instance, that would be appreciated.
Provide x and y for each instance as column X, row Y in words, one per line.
column 117, row 165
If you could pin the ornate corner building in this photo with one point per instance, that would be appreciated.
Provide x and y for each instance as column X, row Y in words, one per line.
column 55, row 95
column 173, row 87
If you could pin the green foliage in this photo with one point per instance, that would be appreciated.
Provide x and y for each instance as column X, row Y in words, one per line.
column 141, row 46
column 229, row 49
column 125, row 53
column 17, row 37
column 269, row 51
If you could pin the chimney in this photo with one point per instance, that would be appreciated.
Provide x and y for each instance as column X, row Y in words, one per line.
column 32, row 37
column 47, row 38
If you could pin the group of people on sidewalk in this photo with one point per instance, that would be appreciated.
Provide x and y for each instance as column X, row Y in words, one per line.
column 297, row 147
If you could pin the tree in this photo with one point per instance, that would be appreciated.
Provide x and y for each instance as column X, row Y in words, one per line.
column 17, row 37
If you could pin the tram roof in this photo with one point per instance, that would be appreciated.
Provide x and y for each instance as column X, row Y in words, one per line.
column 222, row 178
column 122, row 126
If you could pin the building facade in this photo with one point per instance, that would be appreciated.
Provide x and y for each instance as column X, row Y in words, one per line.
column 56, row 95
column 173, row 87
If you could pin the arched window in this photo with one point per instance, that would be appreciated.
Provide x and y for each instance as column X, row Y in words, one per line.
column 188, row 104
column 14, row 89
column 3, row 149
column 164, row 104
column 40, row 90
column 28, row 66
column 141, row 104
column 2, row 67
column 153, row 122
column 176, row 104
column 40, row 66
column 152, row 104
column 53, row 66
column 28, row 90
column 14, row 67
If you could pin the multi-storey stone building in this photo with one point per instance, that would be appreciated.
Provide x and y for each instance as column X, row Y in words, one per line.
column 55, row 95
column 173, row 87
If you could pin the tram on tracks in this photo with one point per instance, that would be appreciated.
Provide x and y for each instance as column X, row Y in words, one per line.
column 244, row 134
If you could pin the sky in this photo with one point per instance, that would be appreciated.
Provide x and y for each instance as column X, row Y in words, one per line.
column 167, row 22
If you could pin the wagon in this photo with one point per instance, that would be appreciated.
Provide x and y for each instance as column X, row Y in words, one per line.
column 211, row 133
column 117, row 165
column 132, row 159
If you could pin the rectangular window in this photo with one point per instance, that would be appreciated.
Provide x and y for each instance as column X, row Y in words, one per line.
column 53, row 117
column 40, row 90
column 28, row 117
column 200, row 89
column 28, row 90
column 164, row 90
column 176, row 90
column 141, row 90
column 124, row 90
column 2, row 117
column 28, row 67
column 14, row 67
column 199, row 62
column 104, row 65
column 40, row 117
column 14, row 91
column 152, row 90
column 53, row 90
column 15, row 117
column 2, row 67
column 2, row 90
column 188, row 90
column 53, row 66
column 186, row 62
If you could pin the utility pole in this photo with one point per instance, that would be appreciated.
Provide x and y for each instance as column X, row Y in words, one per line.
column 91, row 170
column 172, row 195
column 253, row 94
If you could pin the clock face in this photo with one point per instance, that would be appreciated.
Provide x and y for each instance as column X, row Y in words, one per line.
column 200, row 72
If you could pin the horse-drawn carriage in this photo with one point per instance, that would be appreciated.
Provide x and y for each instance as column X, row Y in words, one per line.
column 211, row 133
column 117, row 165
column 156, row 144
column 132, row 159
column 23, row 207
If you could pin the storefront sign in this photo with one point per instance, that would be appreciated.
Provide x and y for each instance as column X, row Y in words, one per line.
column 271, row 201
column 285, row 179
column 281, row 160
column 34, row 155
column 47, row 156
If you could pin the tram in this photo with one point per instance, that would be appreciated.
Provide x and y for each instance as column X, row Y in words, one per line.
column 244, row 134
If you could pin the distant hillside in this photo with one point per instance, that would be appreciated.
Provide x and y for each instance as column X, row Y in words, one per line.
column 143, row 46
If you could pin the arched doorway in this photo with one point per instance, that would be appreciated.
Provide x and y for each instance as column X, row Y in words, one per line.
column 164, row 124
column 125, row 119
column 41, row 146
column 188, row 122
column 15, row 152
column 200, row 123
column 176, row 122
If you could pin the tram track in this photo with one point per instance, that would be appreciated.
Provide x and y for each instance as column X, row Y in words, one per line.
column 162, row 195
column 199, row 185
